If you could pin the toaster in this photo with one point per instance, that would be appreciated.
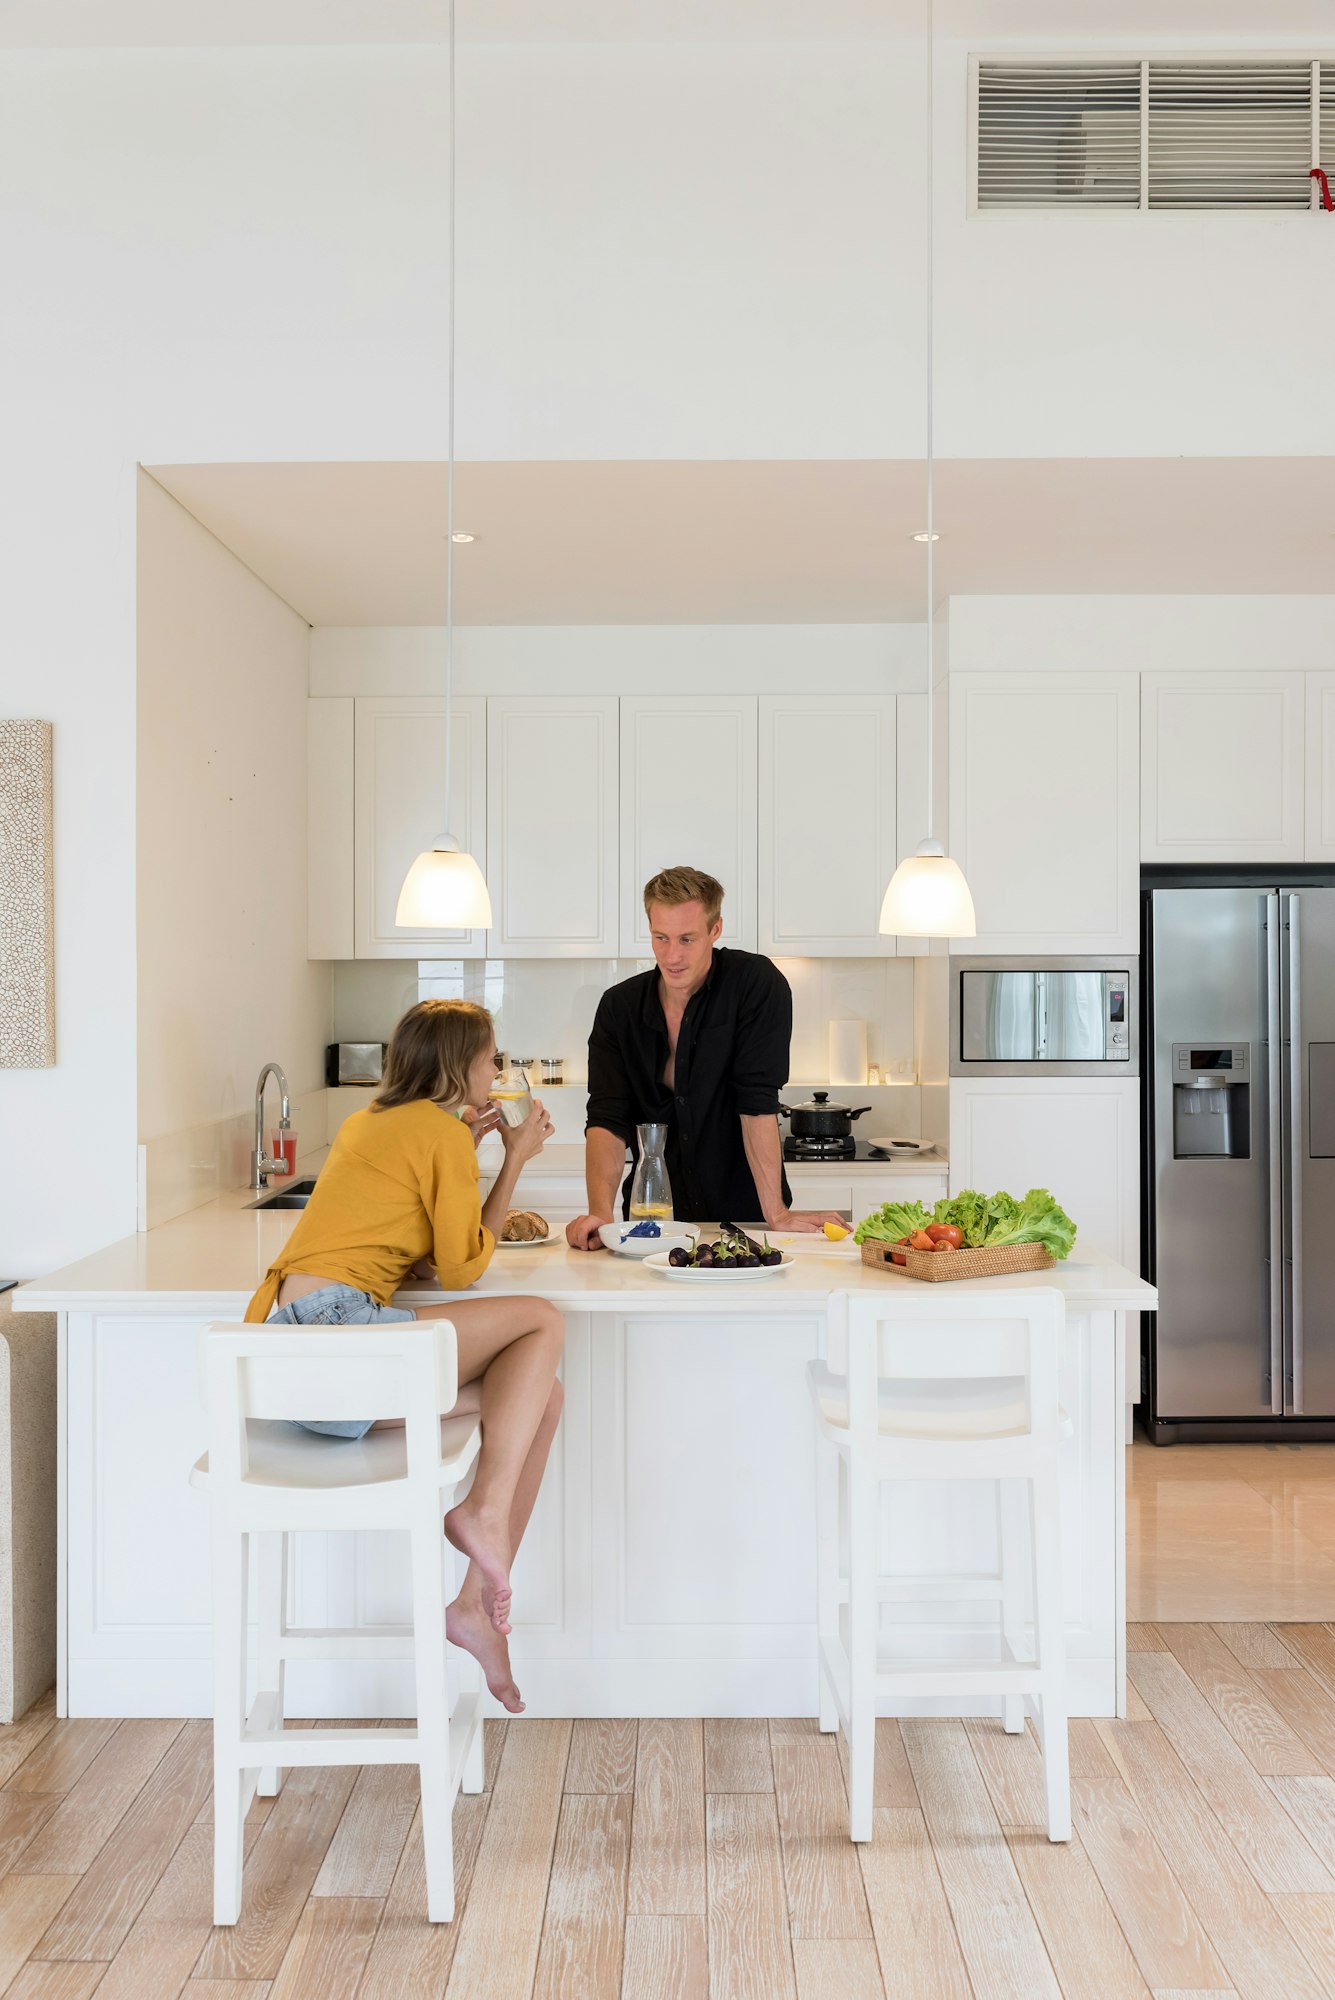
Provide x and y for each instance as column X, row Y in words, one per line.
column 354, row 1062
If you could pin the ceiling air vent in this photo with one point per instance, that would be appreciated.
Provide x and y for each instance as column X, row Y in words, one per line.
column 1176, row 133
column 1230, row 135
column 1056, row 135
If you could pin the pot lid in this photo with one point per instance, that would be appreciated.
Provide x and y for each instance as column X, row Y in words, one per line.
column 820, row 1101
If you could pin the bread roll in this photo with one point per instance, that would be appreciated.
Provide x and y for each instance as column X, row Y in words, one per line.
column 523, row 1225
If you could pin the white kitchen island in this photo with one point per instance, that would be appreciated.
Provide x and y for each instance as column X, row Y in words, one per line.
column 670, row 1565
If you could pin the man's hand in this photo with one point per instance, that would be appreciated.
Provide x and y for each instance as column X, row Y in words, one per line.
column 582, row 1233
column 805, row 1221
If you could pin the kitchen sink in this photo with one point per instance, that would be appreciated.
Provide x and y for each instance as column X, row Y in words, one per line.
column 295, row 1196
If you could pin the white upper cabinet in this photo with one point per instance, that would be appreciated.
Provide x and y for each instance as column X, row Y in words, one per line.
column 1222, row 766
column 399, row 809
column 330, row 764
column 688, row 795
column 1320, row 843
column 552, row 826
column 1044, row 809
column 828, row 843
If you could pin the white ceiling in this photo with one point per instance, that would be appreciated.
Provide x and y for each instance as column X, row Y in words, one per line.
column 200, row 23
column 759, row 542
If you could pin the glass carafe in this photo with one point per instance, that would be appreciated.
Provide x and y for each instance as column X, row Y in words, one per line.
column 651, row 1190
column 511, row 1095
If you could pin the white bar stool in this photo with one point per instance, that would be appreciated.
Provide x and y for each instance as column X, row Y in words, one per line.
column 267, row 1480
column 959, row 1387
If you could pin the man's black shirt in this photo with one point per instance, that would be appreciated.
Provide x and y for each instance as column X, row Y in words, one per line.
column 732, row 1059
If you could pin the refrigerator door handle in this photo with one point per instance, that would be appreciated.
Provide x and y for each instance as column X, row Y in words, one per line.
column 1296, row 1148
column 1274, row 1087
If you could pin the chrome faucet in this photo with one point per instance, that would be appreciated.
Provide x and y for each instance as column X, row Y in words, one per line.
column 260, row 1167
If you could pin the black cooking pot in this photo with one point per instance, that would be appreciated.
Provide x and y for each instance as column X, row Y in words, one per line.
column 819, row 1119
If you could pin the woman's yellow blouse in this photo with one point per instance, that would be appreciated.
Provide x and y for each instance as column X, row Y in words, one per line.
column 397, row 1185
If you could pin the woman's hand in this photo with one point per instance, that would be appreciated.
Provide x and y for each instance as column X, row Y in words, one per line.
column 524, row 1142
column 480, row 1123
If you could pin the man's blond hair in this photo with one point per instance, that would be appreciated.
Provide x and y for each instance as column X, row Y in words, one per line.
column 685, row 885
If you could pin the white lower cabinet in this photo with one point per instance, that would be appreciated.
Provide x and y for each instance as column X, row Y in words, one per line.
column 1222, row 766
column 1044, row 808
column 1079, row 1137
column 669, row 1568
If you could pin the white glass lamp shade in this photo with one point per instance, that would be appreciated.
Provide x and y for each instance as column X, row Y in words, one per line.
column 928, row 897
column 444, row 890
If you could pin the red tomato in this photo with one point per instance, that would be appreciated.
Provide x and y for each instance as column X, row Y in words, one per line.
column 945, row 1232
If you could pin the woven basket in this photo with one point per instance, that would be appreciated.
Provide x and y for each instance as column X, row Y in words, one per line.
column 938, row 1266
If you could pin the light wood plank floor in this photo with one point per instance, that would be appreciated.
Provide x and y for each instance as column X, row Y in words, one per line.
column 709, row 1861
column 1231, row 1532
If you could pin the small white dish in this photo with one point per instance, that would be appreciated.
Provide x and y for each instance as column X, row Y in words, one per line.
column 675, row 1236
column 525, row 1243
column 660, row 1265
column 902, row 1148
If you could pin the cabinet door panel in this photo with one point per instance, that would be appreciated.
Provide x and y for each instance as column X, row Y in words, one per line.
column 552, row 826
column 1320, row 844
column 330, row 848
column 827, row 824
column 1222, row 767
column 688, row 794
column 399, row 792
column 1044, row 795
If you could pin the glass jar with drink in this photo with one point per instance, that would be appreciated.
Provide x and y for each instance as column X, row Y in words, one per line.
column 651, row 1190
column 512, row 1094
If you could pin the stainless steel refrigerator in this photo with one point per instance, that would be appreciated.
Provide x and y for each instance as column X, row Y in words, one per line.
column 1240, row 1159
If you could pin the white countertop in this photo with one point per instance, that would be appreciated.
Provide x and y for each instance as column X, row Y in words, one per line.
column 212, row 1259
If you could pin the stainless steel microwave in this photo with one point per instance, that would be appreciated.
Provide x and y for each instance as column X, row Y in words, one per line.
column 1045, row 1016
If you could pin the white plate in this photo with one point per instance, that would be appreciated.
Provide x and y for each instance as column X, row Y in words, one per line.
column 526, row 1243
column 671, row 1233
column 688, row 1276
column 907, row 1149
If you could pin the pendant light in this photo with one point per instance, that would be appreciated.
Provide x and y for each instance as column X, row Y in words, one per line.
column 444, row 889
column 928, row 895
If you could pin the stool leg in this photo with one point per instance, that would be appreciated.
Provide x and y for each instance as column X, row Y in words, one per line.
column 1051, row 1636
column 863, row 1617
column 272, row 1607
column 231, row 1790
column 827, row 1573
column 1013, row 1534
column 433, row 1720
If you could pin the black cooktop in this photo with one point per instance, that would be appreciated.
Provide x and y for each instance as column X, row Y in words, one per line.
column 809, row 1152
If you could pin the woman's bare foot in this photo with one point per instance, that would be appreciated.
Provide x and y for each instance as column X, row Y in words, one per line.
column 467, row 1625
column 485, row 1540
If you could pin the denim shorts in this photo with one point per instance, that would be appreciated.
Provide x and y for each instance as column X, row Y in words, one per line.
column 337, row 1305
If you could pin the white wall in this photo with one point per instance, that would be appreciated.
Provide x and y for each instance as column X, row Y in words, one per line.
column 224, row 981
column 1119, row 334
column 1140, row 634
column 618, row 659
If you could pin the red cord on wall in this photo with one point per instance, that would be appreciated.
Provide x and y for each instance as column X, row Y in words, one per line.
column 1319, row 174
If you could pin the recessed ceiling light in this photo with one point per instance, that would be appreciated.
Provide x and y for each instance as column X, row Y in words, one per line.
column 921, row 536
column 459, row 536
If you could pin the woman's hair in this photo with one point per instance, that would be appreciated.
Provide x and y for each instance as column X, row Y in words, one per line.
column 431, row 1052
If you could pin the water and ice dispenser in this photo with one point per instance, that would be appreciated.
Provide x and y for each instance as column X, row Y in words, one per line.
column 1212, row 1101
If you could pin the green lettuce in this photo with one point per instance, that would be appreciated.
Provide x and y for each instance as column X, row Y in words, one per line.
column 888, row 1224
column 966, row 1212
column 1036, row 1219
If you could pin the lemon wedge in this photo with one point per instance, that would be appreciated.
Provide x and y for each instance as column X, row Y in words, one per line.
column 836, row 1231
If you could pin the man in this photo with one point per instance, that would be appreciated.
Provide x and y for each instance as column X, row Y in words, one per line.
column 701, row 1045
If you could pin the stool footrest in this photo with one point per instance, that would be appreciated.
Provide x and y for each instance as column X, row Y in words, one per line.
column 339, row 1642
column 291, row 1747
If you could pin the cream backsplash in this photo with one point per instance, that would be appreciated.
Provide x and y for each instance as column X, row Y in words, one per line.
column 545, row 1007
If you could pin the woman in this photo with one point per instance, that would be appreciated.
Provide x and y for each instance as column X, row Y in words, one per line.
column 397, row 1196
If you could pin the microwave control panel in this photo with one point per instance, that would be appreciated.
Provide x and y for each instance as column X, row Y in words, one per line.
column 1116, row 986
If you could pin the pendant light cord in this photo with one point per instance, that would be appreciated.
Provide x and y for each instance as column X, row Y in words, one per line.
column 449, row 483
column 931, row 465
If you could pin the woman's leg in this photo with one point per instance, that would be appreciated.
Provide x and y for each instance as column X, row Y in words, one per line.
column 512, row 1348
column 466, row 1622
